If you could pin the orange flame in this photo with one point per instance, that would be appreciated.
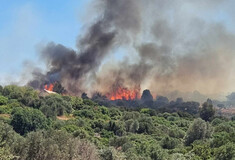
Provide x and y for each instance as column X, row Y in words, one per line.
column 49, row 87
column 124, row 94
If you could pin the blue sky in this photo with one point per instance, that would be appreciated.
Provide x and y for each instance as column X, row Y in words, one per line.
column 24, row 24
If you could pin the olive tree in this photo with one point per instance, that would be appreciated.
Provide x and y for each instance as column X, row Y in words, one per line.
column 198, row 130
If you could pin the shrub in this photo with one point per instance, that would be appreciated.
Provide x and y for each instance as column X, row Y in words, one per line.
column 176, row 133
column 169, row 143
column 207, row 111
column 85, row 113
column 225, row 152
column 198, row 130
column 3, row 100
column 26, row 120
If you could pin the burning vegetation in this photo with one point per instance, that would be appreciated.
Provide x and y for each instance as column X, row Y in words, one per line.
column 124, row 94
column 167, row 47
column 53, row 88
column 49, row 87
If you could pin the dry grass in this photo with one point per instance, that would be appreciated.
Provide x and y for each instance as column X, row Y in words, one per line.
column 5, row 115
column 65, row 118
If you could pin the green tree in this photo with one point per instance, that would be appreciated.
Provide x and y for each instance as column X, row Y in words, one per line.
column 114, row 113
column 13, row 92
column 207, row 111
column 202, row 150
column 29, row 97
column 25, row 120
column 56, row 145
column 3, row 100
column 233, row 118
column 134, row 126
column 55, row 105
column 225, row 152
column 7, row 135
column 220, row 139
column 157, row 153
column 85, row 113
column 5, row 154
column 169, row 143
column 146, row 125
column 197, row 131
column 76, row 103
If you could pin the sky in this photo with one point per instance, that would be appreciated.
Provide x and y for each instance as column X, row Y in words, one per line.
column 25, row 24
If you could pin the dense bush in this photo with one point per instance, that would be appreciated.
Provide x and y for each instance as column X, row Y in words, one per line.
column 225, row 152
column 25, row 120
column 67, row 127
column 207, row 111
column 3, row 100
column 197, row 131
column 55, row 105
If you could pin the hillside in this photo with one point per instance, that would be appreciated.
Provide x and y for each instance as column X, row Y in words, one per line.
column 55, row 127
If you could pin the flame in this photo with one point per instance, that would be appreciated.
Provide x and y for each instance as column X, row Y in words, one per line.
column 49, row 87
column 124, row 94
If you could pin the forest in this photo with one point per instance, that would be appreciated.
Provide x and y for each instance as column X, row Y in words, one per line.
column 36, row 126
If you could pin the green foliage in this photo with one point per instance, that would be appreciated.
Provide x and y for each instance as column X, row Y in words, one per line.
column 111, row 154
column 76, row 103
column 5, row 109
column 25, row 95
column 55, row 105
column 3, row 100
column 5, row 154
column 7, row 135
column 225, row 152
column 86, row 113
column 134, row 127
column 55, row 145
column 157, row 153
column 207, row 111
column 12, row 92
column 118, row 141
column 89, row 102
column 169, row 143
column 92, row 131
column 198, row 130
column 70, row 128
column 145, row 111
column 25, row 120
column 202, row 150
column 81, row 133
column 146, row 125
column 217, row 121
column 118, row 127
column 115, row 113
column 176, row 133
column 130, row 115
column 233, row 118
column 220, row 139
column 1, row 89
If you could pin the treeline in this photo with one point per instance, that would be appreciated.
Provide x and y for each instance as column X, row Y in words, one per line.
column 159, row 103
column 35, row 127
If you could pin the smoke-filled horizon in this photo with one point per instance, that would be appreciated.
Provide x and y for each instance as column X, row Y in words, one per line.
column 168, row 46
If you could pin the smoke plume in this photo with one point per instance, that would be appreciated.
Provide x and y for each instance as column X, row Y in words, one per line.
column 169, row 45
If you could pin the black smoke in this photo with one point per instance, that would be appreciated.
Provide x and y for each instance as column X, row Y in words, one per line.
column 72, row 67
column 168, row 47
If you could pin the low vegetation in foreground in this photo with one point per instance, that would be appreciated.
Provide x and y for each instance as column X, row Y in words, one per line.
column 56, row 127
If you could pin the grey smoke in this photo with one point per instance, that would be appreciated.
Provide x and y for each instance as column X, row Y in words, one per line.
column 171, row 45
column 71, row 66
